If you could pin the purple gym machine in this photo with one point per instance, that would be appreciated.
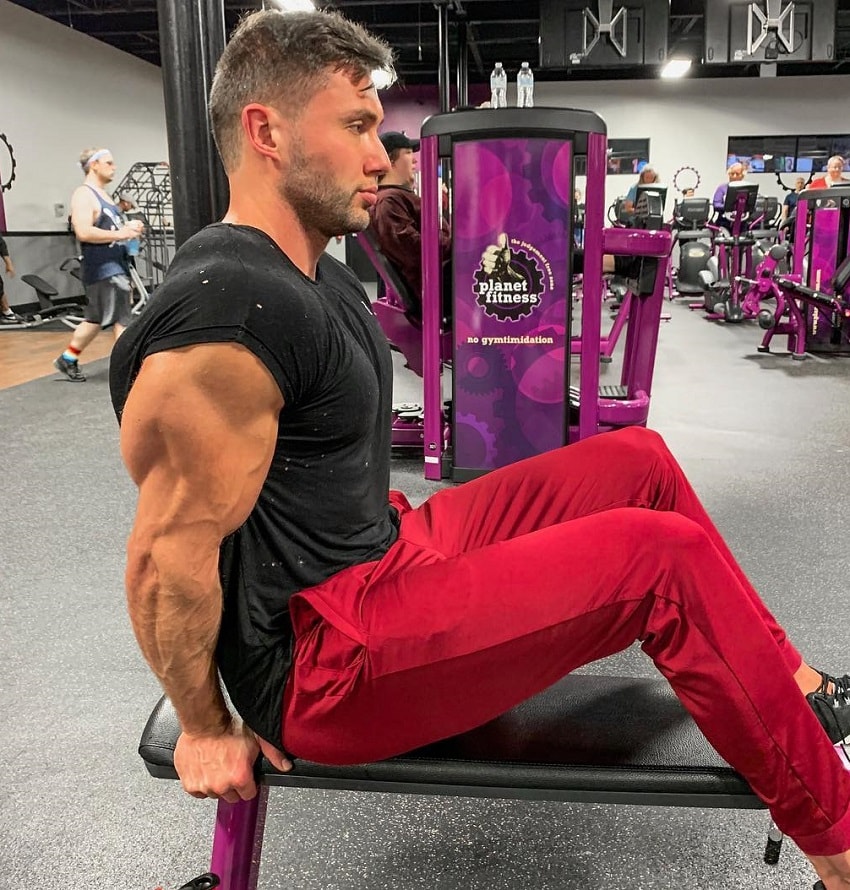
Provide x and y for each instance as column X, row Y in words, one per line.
column 721, row 281
column 815, row 316
column 512, row 189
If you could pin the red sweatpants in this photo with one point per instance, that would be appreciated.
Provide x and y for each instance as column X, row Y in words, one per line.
column 499, row 587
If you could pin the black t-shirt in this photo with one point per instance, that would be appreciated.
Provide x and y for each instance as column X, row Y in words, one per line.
column 324, row 504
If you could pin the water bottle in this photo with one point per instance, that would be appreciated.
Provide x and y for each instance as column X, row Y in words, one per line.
column 499, row 87
column 525, row 87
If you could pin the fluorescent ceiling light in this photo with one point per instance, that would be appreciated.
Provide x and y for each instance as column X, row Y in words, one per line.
column 293, row 5
column 676, row 68
column 382, row 78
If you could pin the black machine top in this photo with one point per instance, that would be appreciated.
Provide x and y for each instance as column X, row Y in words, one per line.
column 732, row 193
column 767, row 206
column 649, row 206
column 481, row 121
column 651, row 189
column 838, row 193
column 693, row 212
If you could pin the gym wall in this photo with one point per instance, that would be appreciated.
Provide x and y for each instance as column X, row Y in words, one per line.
column 689, row 121
column 60, row 92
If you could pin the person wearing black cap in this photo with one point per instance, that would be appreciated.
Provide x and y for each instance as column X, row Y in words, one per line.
column 397, row 214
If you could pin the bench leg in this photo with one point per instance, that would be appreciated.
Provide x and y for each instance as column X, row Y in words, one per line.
column 238, row 841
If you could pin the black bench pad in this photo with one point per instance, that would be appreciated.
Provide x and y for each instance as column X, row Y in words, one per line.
column 587, row 738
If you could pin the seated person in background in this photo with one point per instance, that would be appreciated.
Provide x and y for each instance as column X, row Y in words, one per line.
column 396, row 217
column 789, row 205
column 647, row 176
column 735, row 174
column 834, row 174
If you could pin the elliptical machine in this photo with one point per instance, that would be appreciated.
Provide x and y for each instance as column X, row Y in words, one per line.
column 696, row 244
column 722, row 279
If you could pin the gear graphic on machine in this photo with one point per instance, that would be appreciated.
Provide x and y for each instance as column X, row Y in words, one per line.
column 509, row 282
column 485, row 436
column 7, row 170
column 480, row 371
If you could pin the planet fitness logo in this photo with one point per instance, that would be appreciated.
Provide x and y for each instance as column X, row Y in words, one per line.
column 509, row 281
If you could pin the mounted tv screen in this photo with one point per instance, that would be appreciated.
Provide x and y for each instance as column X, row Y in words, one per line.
column 763, row 154
column 787, row 154
column 627, row 156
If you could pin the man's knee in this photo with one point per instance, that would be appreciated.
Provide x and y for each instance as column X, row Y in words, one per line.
column 642, row 446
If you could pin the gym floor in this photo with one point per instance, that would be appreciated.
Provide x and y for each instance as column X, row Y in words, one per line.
column 765, row 441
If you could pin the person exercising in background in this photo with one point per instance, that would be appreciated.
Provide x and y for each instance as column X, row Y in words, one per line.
column 268, row 552
column 789, row 205
column 647, row 176
column 735, row 174
column 834, row 174
column 6, row 314
column 103, row 235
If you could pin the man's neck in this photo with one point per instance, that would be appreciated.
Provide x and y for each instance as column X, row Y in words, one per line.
column 396, row 183
column 265, row 210
column 94, row 182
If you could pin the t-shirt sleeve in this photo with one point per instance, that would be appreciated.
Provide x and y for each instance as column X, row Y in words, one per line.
column 232, row 298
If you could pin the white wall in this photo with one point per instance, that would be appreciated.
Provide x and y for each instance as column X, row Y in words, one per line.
column 688, row 121
column 61, row 92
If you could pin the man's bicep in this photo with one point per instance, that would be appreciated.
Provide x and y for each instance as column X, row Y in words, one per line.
column 198, row 434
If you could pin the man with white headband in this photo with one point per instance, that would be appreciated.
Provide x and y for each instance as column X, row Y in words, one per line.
column 103, row 235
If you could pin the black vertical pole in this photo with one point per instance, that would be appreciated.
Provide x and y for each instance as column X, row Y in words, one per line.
column 444, row 73
column 191, row 38
column 462, row 64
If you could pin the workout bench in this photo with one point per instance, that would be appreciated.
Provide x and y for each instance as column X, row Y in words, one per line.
column 587, row 739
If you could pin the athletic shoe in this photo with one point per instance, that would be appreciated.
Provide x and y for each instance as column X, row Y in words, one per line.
column 70, row 369
column 9, row 319
column 832, row 708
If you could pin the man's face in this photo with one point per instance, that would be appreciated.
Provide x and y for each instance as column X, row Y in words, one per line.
column 335, row 157
column 735, row 173
column 800, row 182
column 104, row 169
column 834, row 169
column 405, row 167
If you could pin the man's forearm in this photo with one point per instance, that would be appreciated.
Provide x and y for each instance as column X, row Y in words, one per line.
column 175, row 616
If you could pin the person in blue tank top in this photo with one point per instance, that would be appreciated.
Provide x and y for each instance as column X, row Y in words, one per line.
column 103, row 235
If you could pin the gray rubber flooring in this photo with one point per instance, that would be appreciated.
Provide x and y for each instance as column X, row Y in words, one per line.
column 766, row 443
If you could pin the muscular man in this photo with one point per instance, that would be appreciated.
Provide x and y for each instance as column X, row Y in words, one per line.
column 103, row 236
column 254, row 396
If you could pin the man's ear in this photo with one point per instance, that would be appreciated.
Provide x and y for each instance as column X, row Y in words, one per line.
column 265, row 129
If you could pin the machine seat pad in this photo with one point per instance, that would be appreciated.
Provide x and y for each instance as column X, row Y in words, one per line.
column 585, row 738
column 40, row 285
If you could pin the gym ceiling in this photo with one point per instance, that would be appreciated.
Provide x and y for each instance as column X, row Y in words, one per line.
column 497, row 30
